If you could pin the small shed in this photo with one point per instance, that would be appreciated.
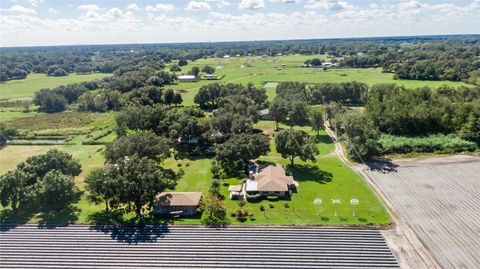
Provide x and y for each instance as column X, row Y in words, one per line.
column 187, row 78
column 184, row 203
column 235, row 192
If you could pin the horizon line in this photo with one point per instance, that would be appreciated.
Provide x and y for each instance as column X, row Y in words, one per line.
column 256, row 40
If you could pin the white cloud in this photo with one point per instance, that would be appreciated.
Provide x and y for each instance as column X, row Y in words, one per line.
column 194, row 5
column 116, row 25
column 220, row 3
column 286, row 1
column 133, row 6
column 52, row 11
column 160, row 7
column 330, row 5
column 34, row 2
column 89, row 8
column 251, row 4
column 22, row 10
column 165, row 7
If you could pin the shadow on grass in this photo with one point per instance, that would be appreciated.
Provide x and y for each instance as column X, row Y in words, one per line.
column 308, row 172
column 10, row 219
column 325, row 139
column 52, row 219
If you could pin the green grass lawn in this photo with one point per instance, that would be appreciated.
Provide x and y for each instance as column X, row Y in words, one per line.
column 26, row 88
column 264, row 70
column 328, row 178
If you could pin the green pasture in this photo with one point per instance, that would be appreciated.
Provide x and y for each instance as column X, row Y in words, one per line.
column 287, row 68
column 26, row 88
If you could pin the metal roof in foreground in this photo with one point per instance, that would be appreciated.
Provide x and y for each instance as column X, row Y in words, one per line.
column 83, row 246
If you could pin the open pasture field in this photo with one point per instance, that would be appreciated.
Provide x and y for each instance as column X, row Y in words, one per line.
column 440, row 199
column 26, row 88
column 90, row 157
column 287, row 68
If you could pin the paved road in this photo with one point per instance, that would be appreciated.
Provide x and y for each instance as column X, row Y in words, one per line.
column 78, row 246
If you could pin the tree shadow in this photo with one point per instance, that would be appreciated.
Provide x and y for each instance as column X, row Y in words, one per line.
column 10, row 219
column 383, row 166
column 134, row 230
column 325, row 139
column 133, row 234
column 51, row 219
column 308, row 172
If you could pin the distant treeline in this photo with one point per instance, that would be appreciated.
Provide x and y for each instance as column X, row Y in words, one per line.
column 433, row 58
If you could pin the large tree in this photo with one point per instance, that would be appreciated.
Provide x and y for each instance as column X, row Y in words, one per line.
column 316, row 120
column 56, row 191
column 279, row 111
column 140, row 179
column 239, row 149
column 294, row 143
column 145, row 144
column 49, row 101
column 26, row 181
column 101, row 185
column 13, row 189
column 361, row 136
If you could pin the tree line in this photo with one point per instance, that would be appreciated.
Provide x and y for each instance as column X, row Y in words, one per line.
column 439, row 58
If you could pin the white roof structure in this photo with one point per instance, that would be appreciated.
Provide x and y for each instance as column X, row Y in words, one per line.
column 183, row 77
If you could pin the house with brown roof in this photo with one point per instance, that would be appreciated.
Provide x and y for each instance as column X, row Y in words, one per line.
column 269, row 180
column 180, row 203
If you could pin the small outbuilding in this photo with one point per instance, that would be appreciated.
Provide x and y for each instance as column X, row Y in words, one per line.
column 236, row 192
column 187, row 78
column 181, row 203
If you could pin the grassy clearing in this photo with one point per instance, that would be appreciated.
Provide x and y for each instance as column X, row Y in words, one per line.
column 56, row 122
column 287, row 68
column 26, row 88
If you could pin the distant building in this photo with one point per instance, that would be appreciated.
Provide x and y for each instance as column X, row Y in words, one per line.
column 187, row 78
column 180, row 203
column 269, row 181
column 209, row 77
column 265, row 114
column 226, row 56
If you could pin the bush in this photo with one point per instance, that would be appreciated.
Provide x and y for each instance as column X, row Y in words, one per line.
column 262, row 208
column 253, row 197
column 271, row 205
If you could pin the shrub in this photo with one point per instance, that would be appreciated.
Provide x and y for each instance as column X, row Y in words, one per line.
column 253, row 197
column 271, row 205
column 262, row 208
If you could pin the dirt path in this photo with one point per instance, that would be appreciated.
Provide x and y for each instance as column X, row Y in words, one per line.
column 407, row 248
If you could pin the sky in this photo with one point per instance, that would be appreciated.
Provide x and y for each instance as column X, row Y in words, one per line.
column 63, row 22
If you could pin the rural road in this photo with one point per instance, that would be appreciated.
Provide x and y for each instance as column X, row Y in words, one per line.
column 405, row 244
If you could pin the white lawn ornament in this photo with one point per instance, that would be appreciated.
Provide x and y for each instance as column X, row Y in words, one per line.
column 354, row 202
column 317, row 201
column 336, row 202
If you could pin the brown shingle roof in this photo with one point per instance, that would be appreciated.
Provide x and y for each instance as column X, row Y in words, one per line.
column 273, row 178
column 178, row 199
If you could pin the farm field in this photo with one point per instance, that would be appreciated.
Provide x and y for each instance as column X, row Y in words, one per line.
column 440, row 200
column 287, row 68
column 26, row 88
